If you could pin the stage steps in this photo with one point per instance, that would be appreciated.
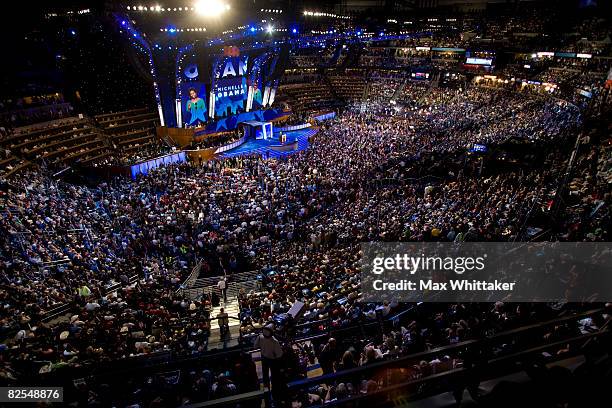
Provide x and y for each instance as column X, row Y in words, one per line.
column 208, row 285
column 230, row 307
column 232, row 288
column 233, row 337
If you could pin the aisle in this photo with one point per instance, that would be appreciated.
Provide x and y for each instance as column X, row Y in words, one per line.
column 231, row 340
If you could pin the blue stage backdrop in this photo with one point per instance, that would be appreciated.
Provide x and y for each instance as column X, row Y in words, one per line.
column 228, row 84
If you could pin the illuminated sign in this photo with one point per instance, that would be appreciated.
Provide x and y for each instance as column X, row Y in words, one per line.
column 233, row 66
column 565, row 54
column 478, row 61
column 230, row 85
column 479, row 148
column 445, row 49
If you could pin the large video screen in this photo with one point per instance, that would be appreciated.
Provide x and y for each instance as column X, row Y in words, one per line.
column 230, row 96
column 257, row 95
column 193, row 103
column 230, row 89
column 213, row 87
column 479, row 61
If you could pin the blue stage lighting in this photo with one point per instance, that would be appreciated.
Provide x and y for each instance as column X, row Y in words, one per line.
column 294, row 31
column 72, row 32
column 252, row 29
column 123, row 22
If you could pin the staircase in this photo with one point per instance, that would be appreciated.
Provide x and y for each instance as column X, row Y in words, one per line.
column 327, row 82
column 364, row 97
column 237, row 281
column 398, row 92
column 232, row 338
column 207, row 285
column 231, row 308
column 436, row 80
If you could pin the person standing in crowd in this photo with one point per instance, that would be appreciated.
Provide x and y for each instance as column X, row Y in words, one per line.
column 222, row 286
column 246, row 372
column 329, row 355
column 223, row 321
column 242, row 299
column 271, row 352
column 83, row 292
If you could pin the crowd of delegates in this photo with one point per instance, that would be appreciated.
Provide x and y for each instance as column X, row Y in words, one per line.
column 431, row 327
column 137, row 153
column 10, row 164
column 381, row 90
column 217, row 140
column 300, row 219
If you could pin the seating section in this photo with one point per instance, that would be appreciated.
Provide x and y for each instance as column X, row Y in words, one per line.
column 113, row 138
column 14, row 114
column 302, row 61
column 308, row 96
column 413, row 92
column 300, row 75
column 349, row 88
column 130, row 131
column 10, row 165
column 58, row 143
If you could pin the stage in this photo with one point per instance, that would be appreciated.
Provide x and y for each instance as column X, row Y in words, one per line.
column 297, row 140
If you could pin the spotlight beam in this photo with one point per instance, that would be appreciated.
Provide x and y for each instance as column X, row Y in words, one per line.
column 211, row 8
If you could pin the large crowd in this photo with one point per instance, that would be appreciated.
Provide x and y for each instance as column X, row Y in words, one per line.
column 67, row 243
column 397, row 166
